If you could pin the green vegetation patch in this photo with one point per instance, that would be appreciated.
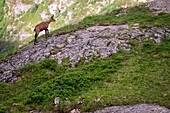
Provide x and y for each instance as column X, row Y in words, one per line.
column 2, row 4
column 7, row 48
column 138, row 76
column 3, row 20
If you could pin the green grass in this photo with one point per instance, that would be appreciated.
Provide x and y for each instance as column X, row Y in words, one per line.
column 2, row 4
column 138, row 76
column 3, row 20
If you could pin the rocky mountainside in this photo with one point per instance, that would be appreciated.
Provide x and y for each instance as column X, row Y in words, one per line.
column 89, row 43
column 123, row 56
column 21, row 16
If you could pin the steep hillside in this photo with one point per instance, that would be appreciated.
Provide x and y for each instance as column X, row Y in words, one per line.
column 118, row 58
column 139, row 76
column 21, row 16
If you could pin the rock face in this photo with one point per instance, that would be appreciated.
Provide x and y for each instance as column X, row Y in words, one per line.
column 159, row 5
column 21, row 8
column 139, row 108
column 89, row 43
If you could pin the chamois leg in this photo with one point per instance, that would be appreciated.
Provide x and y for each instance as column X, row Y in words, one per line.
column 46, row 33
column 36, row 35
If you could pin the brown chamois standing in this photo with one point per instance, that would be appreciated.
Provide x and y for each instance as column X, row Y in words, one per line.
column 43, row 26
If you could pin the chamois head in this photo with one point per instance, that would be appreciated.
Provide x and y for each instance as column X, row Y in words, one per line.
column 52, row 18
column 43, row 26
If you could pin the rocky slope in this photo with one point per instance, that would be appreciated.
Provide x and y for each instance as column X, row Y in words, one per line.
column 87, row 43
column 96, row 41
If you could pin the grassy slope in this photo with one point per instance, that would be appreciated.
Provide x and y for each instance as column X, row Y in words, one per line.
column 138, row 76
column 6, row 47
column 2, row 19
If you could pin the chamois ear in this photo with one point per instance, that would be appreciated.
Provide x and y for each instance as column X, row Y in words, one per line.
column 52, row 16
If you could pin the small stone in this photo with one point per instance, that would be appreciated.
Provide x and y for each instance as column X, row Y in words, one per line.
column 74, row 111
column 15, row 104
column 164, row 95
column 60, row 45
column 57, row 101
column 97, row 99
column 103, row 52
column 67, row 101
column 70, row 39
column 158, row 40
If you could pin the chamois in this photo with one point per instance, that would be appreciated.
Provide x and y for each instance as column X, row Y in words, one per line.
column 43, row 26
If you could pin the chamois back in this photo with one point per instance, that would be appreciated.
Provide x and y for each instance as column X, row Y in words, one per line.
column 43, row 26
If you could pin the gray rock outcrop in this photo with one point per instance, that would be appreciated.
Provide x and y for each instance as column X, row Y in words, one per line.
column 138, row 108
column 159, row 6
column 89, row 43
